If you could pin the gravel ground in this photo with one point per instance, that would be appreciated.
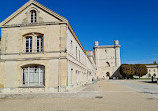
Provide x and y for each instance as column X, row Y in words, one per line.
column 140, row 86
column 113, row 96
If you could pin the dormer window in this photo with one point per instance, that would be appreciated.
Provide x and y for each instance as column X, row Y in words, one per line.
column 33, row 16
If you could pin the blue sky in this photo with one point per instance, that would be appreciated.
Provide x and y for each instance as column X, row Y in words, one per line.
column 133, row 22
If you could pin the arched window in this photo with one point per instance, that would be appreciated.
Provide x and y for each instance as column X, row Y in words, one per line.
column 33, row 75
column 37, row 45
column 107, row 64
column 33, row 16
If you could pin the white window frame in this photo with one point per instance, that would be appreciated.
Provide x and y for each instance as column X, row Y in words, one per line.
column 40, row 79
column 28, row 49
column 33, row 16
column 39, row 43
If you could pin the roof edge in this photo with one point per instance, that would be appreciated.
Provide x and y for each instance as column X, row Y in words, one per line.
column 28, row 4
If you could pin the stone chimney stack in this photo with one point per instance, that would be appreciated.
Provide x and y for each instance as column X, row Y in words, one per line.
column 96, row 43
column 116, row 42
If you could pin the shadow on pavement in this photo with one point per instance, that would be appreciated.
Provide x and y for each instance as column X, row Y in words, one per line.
column 154, row 82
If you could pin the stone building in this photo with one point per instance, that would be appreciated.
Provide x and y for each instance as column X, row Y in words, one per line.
column 40, row 52
column 107, row 59
column 152, row 71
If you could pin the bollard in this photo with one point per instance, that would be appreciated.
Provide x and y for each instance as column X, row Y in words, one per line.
column 157, row 81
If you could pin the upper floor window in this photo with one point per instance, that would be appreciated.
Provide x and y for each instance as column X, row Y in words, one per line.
column 71, row 43
column 39, row 46
column 79, row 55
column 33, row 16
column 34, row 42
column 28, row 44
column 76, row 52
column 71, row 47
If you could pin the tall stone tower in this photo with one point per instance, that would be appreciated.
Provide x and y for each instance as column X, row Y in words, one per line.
column 107, row 59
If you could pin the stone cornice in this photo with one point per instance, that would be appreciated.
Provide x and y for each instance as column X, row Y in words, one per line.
column 151, row 66
column 35, row 24
column 107, row 46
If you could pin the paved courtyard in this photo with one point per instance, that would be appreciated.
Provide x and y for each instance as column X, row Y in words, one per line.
column 102, row 96
column 142, row 86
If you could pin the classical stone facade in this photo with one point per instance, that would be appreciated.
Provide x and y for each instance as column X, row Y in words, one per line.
column 40, row 52
column 107, row 59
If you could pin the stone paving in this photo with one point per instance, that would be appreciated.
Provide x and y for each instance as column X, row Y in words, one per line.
column 102, row 96
column 142, row 86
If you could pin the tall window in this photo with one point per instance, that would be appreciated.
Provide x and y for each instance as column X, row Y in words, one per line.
column 76, row 52
column 39, row 44
column 33, row 16
column 28, row 44
column 76, row 76
column 71, row 47
column 71, row 75
column 34, row 42
column 33, row 75
column 79, row 55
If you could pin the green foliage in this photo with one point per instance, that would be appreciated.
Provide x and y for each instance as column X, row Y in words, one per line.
column 140, row 70
column 154, row 75
column 155, row 62
column 128, row 71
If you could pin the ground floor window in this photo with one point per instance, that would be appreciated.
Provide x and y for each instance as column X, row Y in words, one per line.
column 33, row 75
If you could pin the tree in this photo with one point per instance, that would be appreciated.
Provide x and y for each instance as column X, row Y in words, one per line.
column 126, row 71
column 155, row 62
column 132, row 69
column 140, row 70
column 149, row 75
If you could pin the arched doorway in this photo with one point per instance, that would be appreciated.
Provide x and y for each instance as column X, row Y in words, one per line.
column 107, row 74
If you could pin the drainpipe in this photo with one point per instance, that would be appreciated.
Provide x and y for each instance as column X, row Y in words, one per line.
column 59, row 66
column 59, row 85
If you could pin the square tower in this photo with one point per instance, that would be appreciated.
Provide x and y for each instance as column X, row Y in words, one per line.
column 107, row 59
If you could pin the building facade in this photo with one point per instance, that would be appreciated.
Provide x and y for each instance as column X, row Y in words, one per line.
column 107, row 59
column 40, row 52
column 152, row 71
